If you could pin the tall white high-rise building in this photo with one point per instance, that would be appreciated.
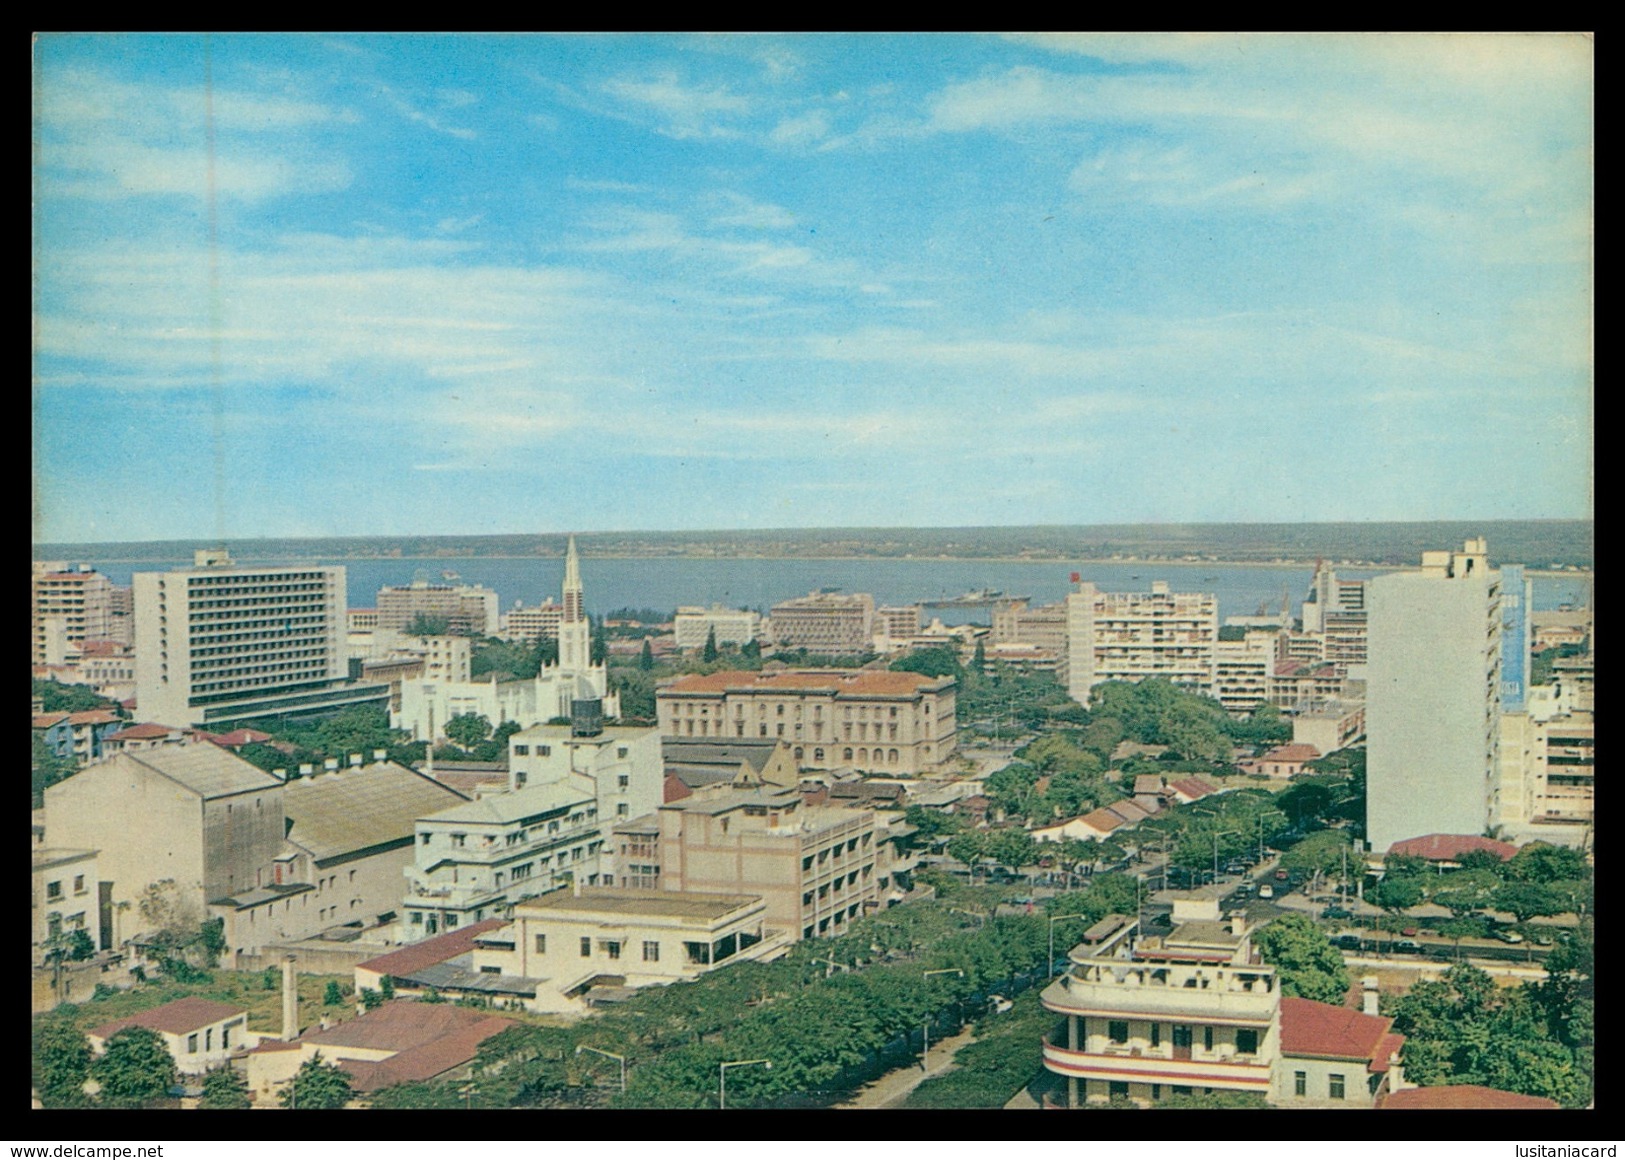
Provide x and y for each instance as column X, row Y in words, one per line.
column 1433, row 698
column 1129, row 636
column 221, row 642
column 70, row 606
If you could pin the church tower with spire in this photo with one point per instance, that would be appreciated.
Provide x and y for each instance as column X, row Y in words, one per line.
column 575, row 632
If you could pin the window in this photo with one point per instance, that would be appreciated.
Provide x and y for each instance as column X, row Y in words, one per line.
column 225, row 1038
column 459, row 839
column 521, row 750
column 1156, row 1035
column 191, row 1043
column 622, row 810
column 53, row 890
column 610, row 947
column 586, row 947
column 1117, row 1031
column 78, row 883
column 651, row 952
column 1119, row 1088
column 1207, row 1038
column 623, row 781
column 544, row 751
column 541, row 944
column 1247, row 1041
column 1300, row 1083
column 1334, row 1086
column 208, row 1039
column 451, row 921
column 621, row 751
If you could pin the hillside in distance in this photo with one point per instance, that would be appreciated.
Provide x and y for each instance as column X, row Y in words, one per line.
column 1536, row 543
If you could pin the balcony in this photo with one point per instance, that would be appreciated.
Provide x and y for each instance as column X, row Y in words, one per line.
column 1176, row 993
column 1162, row 1065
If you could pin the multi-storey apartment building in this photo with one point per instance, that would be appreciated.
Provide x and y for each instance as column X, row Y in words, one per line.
column 1433, row 699
column 70, row 606
column 1336, row 611
column 693, row 626
column 898, row 622
column 1241, row 671
column 1546, row 787
column 620, row 765
column 1192, row 1012
column 218, row 642
column 533, row 624
column 825, row 622
column 475, row 860
column 817, row 868
column 1129, row 636
column 883, row 721
column 467, row 609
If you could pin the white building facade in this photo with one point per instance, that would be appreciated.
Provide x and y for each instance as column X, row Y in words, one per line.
column 1433, row 698
column 1129, row 636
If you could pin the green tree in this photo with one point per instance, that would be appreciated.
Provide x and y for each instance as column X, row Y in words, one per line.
column 710, row 653
column 317, row 1084
column 468, row 729
column 1573, row 951
column 646, row 658
column 1542, row 862
column 56, row 697
column 61, row 1062
column 333, row 994
column 136, row 1069
column 79, row 946
column 1395, row 894
column 224, row 1088
column 1309, row 966
column 1525, row 900
column 938, row 661
column 423, row 624
column 599, row 653
column 1404, row 866
column 751, row 650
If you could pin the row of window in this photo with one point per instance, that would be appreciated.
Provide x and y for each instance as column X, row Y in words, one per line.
column 609, row 948
column 1335, row 1085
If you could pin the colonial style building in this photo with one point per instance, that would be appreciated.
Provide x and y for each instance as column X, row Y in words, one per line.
column 475, row 860
column 885, row 722
column 816, row 868
column 1195, row 1011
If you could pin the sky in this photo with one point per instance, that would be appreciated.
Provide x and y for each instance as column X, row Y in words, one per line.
column 306, row 285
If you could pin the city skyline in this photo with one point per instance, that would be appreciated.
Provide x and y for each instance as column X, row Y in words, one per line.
column 444, row 282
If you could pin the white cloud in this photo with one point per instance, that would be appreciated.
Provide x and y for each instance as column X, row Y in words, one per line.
column 685, row 110
column 734, row 209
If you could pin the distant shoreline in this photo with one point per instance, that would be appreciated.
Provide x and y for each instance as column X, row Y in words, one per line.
column 447, row 562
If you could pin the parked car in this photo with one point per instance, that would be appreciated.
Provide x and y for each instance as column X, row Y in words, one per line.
column 1338, row 912
column 1407, row 946
column 1409, row 932
column 1510, row 937
column 1266, row 891
column 1541, row 939
column 1347, row 942
column 1282, row 875
column 1245, row 888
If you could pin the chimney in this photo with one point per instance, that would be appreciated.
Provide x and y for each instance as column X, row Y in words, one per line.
column 307, row 770
column 380, row 754
column 1368, row 994
column 331, row 765
column 355, row 761
column 290, row 1001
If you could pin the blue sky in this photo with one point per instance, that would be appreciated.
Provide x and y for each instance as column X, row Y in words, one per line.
column 369, row 285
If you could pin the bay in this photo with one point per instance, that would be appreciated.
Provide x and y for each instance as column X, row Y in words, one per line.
column 664, row 583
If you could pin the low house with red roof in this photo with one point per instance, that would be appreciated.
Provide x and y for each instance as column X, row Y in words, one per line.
column 1447, row 849
column 1095, row 825
column 200, row 1033
column 1463, row 1097
column 1191, row 789
column 1334, row 1057
column 397, row 1042
column 81, row 736
column 144, row 736
column 1282, row 761
column 402, row 966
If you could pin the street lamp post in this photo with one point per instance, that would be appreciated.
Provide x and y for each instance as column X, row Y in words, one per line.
column 620, row 1059
column 1052, row 922
column 1216, row 837
column 925, row 1031
column 722, row 1076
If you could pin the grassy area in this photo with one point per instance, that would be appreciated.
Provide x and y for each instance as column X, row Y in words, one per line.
column 1007, row 1054
column 244, row 988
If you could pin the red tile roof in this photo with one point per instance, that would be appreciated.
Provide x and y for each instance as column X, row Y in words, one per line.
column 46, row 720
column 1462, row 1096
column 1450, row 847
column 1193, row 787
column 1292, row 753
column 427, row 1038
column 177, row 1017
column 1102, row 819
column 141, row 732
column 430, row 951
column 93, row 717
column 858, row 683
column 1325, row 1031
